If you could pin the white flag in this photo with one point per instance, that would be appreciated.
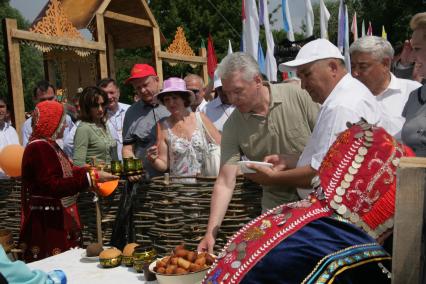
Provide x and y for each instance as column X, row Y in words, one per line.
column 309, row 18
column 363, row 29
column 347, row 54
column 229, row 47
column 250, row 28
column 270, row 62
column 324, row 17
column 354, row 27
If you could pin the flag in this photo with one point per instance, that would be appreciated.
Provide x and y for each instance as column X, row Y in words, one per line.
column 363, row 29
column 229, row 47
column 250, row 27
column 341, row 27
column 384, row 34
column 309, row 18
column 324, row 17
column 370, row 29
column 346, row 46
column 261, row 59
column 211, row 57
column 288, row 27
column 354, row 27
column 270, row 62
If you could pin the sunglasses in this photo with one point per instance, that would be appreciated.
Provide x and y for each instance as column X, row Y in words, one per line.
column 104, row 105
column 195, row 91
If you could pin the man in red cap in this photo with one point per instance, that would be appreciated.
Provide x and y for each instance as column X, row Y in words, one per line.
column 137, row 137
column 139, row 133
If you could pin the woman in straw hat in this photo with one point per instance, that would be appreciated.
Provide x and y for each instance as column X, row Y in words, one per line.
column 50, row 223
column 181, row 142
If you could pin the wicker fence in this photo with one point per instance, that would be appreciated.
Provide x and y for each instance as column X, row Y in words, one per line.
column 165, row 215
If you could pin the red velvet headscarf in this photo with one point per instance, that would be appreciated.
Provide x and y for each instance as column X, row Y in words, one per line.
column 48, row 119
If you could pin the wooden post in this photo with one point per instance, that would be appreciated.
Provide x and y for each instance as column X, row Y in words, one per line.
column 103, row 64
column 98, row 222
column 407, row 263
column 156, row 51
column 110, row 52
column 205, row 74
column 14, row 72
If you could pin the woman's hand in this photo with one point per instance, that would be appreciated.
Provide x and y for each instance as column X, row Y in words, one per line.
column 104, row 176
column 152, row 153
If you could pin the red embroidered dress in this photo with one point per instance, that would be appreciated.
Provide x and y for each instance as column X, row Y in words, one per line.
column 50, row 223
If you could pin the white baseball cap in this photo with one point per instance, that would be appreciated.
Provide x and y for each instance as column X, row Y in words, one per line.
column 217, row 81
column 312, row 51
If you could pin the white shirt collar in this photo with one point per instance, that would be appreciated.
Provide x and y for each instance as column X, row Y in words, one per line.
column 335, row 91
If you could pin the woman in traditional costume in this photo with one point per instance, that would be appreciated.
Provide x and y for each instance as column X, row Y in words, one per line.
column 50, row 223
column 334, row 234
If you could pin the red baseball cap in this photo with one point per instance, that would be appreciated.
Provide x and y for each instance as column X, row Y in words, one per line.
column 141, row 71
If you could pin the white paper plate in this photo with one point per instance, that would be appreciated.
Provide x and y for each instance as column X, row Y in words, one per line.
column 246, row 170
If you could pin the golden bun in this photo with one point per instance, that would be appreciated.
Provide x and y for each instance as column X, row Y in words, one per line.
column 129, row 248
column 110, row 253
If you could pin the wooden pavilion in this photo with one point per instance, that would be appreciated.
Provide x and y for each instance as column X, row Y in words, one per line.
column 80, row 62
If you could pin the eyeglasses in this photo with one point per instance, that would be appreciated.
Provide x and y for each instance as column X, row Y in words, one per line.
column 195, row 91
column 100, row 105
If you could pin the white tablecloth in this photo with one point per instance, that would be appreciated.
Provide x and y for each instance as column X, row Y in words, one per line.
column 80, row 271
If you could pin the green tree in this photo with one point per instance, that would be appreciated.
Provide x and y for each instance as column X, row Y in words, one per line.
column 31, row 58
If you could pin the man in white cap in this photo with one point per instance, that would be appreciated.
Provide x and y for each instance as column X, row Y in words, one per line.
column 219, row 109
column 321, row 68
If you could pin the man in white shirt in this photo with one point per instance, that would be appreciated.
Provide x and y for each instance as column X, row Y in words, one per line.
column 371, row 61
column 219, row 109
column 44, row 91
column 116, row 112
column 343, row 99
column 195, row 84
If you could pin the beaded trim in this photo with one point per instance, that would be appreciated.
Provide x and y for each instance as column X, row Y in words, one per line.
column 270, row 222
column 333, row 264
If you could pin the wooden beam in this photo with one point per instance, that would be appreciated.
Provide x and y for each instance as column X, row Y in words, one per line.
column 204, row 71
column 412, row 162
column 13, row 67
column 103, row 63
column 111, row 51
column 102, row 7
column 176, row 57
column 407, row 262
column 150, row 15
column 63, row 41
column 127, row 19
column 156, row 44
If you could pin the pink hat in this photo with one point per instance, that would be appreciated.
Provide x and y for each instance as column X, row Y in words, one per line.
column 174, row 85
column 140, row 71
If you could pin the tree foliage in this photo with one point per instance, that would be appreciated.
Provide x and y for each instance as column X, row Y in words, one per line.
column 31, row 59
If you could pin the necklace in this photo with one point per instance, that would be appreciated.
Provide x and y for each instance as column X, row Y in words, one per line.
column 224, row 110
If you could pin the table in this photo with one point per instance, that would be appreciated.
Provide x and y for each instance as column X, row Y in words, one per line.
column 79, row 270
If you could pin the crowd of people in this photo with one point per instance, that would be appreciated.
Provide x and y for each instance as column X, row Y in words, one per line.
column 305, row 130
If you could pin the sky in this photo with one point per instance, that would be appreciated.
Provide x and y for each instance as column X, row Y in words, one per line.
column 30, row 9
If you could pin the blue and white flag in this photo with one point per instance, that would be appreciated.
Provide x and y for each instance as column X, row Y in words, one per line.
column 288, row 27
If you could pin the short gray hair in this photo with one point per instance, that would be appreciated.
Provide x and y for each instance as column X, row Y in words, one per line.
column 191, row 76
column 238, row 62
column 378, row 47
